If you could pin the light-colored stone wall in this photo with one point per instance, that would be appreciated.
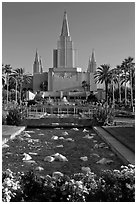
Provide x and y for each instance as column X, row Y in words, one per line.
column 38, row 79
column 66, row 80
column 93, row 85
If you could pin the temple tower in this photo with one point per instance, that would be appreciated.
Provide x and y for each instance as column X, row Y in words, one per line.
column 36, row 65
column 64, row 55
column 92, row 63
column 91, row 70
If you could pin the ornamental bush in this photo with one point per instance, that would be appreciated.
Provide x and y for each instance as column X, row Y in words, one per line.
column 4, row 117
column 100, row 115
column 14, row 117
column 111, row 186
column 104, row 115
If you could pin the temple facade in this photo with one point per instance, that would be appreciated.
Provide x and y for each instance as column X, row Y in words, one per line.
column 64, row 75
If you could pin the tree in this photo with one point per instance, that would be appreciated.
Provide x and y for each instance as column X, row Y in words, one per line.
column 119, row 73
column 114, row 80
column 44, row 86
column 128, row 75
column 85, row 85
column 92, row 97
column 3, row 75
column 7, row 72
column 22, row 77
column 103, row 75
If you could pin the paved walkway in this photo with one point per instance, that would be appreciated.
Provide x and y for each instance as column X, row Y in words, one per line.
column 9, row 132
column 121, row 150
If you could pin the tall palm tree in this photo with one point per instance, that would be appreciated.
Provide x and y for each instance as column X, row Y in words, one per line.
column 128, row 67
column 131, row 79
column 22, row 77
column 119, row 72
column 114, row 80
column 3, row 75
column 103, row 75
column 7, row 71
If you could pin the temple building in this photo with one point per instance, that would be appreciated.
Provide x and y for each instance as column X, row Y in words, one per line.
column 64, row 76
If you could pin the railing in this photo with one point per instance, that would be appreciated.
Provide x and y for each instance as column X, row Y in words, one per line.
column 40, row 111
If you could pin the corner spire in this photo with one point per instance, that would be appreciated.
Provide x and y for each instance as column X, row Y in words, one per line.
column 92, row 63
column 65, row 27
column 41, row 67
column 89, row 64
column 93, row 56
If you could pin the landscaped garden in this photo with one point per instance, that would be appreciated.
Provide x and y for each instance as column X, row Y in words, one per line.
column 62, row 154
column 68, row 164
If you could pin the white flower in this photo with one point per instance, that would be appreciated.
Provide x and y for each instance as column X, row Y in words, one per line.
column 131, row 166
column 8, row 182
column 79, row 183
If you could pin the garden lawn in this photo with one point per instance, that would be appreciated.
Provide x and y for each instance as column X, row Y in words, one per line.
column 44, row 146
column 126, row 135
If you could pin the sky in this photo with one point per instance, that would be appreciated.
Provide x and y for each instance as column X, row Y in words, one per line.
column 106, row 27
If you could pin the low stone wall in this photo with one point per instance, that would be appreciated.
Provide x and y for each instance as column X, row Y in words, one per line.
column 58, row 122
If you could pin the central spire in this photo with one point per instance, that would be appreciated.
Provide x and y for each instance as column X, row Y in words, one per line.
column 93, row 56
column 36, row 56
column 65, row 27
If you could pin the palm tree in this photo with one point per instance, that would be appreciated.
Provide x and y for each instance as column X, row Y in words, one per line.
column 7, row 71
column 128, row 69
column 103, row 75
column 14, row 82
column 22, row 77
column 3, row 75
column 114, row 79
column 119, row 72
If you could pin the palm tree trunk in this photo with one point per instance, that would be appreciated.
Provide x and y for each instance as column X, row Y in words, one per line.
column 125, row 90
column 106, row 89
column 7, row 88
column 16, row 92
column 119, row 87
column 113, row 93
column 131, row 88
column 20, row 95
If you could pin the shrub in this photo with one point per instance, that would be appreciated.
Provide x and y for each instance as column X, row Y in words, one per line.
column 14, row 117
column 100, row 115
column 115, row 186
column 104, row 115
column 4, row 117
column 111, row 186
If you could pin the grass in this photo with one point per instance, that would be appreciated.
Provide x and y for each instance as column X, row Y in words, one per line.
column 12, row 156
column 125, row 135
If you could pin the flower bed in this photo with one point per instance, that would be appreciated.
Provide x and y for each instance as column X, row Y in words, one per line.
column 111, row 186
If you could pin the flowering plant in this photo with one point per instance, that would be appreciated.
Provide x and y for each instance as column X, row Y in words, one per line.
column 110, row 186
column 115, row 186
column 10, row 186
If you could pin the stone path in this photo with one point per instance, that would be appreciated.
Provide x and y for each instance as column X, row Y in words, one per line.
column 9, row 132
